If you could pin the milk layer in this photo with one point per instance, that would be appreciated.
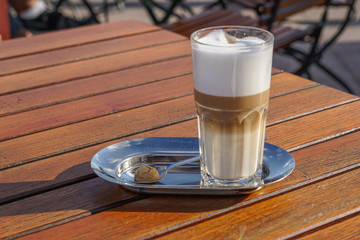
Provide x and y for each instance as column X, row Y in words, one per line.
column 231, row 69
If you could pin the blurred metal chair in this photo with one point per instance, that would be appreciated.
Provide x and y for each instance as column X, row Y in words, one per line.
column 167, row 10
column 75, row 8
column 103, row 9
column 349, row 4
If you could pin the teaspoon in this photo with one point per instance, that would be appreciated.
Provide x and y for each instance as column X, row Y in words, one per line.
column 150, row 175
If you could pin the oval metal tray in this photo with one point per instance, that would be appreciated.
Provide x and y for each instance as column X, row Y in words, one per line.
column 117, row 163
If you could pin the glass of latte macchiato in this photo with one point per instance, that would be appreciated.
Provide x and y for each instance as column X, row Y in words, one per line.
column 232, row 71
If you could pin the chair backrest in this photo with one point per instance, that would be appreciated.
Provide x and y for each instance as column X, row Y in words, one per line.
column 279, row 10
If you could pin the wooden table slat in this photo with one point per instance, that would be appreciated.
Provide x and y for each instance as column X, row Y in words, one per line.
column 75, row 136
column 38, row 146
column 335, row 151
column 335, row 154
column 94, row 107
column 291, row 211
column 85, row 87
column 156, row 215
column 347, row 227
column 284, row 83
column 67, row 168
column 68, row 91
column 320, row 126
column 100, row 104
column 91, row 67
column 298, row 103
column 83, row 52
column 74, row 201
column 70, row 37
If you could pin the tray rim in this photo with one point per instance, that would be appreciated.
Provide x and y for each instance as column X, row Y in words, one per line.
column 175, row 189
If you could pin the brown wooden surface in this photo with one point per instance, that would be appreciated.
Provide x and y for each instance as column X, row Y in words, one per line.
column 57, row 112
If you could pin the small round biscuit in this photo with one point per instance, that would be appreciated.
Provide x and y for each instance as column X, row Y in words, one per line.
column 146, row 174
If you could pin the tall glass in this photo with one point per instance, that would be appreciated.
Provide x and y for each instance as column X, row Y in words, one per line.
column 232, row 70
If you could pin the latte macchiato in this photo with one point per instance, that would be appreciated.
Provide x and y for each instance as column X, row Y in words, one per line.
column 232, row 69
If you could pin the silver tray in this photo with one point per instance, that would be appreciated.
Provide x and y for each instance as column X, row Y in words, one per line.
column 125, row 157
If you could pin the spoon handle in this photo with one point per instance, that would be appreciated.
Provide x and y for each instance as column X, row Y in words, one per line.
column 180, row 163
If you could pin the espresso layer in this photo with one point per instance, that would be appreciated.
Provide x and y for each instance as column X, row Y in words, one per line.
column 232, row 103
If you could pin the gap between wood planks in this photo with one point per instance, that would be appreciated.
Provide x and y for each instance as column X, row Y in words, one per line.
column 275, row 193
column 136, row 85
column 210, row 215
column 88, row 58
column 322, row 225
column 224, row 211
column 275, row 72
column 96, row 94
column 83, row 43
column 182, row 120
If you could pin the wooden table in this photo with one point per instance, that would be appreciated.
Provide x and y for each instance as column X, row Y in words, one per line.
column 66, row 95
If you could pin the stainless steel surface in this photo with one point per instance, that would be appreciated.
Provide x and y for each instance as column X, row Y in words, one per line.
column 163, row 170
column 118, row 162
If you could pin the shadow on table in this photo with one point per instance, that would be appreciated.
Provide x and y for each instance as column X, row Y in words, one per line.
column 77, row 188
column 14, row 191
column 181, row 204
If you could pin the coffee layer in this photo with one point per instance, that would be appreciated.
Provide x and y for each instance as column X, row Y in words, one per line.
column 232, row 103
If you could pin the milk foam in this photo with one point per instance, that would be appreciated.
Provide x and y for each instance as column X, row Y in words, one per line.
column 226, row 66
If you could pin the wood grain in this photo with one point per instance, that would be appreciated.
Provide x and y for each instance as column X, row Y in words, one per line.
column 333, row 155
column 57, row 140
column 95, row 131
column 86, row 51
column 346, row 228
column 193, row 124
column 63, row 92
column 95, row 106
column 91, row 67
column 283, row 214
column 70, row 202
column 60, row 139
column 306, row 161
column 287, row 82
column 102, row 104
column 290, row 211
column 70, row 37
column 60, row 170
column 68, row 91
column 319, row 126
column 306, row 101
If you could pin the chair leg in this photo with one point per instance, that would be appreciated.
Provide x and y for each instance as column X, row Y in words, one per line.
column 88, row 6
column 312, row 56
column 106, row 10
column 348, row 17
column 120, row 4
column 308, row 74
column 219, row 2
column 307, row 60
column 187, row 8
column 92, row 13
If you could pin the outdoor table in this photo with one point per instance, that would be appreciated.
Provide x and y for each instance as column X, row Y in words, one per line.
column 68, row 94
